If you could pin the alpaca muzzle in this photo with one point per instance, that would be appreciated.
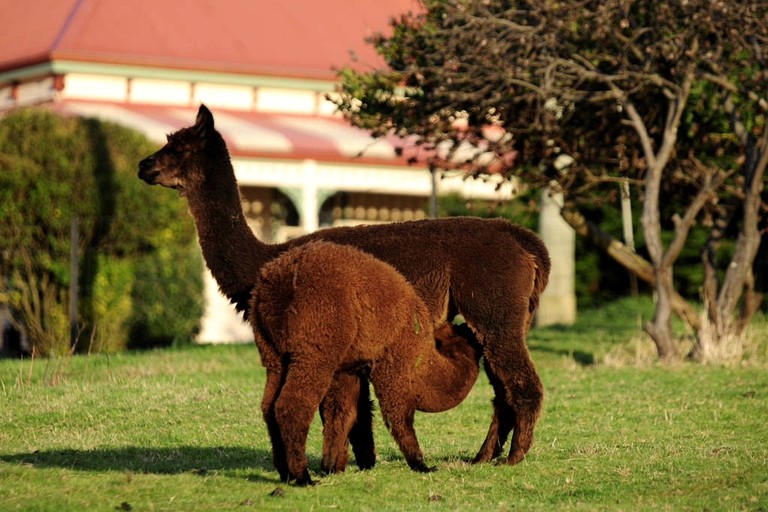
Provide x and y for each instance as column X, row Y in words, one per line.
column 148, row 171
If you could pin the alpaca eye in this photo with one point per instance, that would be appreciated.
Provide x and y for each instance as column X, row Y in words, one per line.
column 175, row 151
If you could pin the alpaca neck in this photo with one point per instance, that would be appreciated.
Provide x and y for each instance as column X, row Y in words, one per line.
column 445, row 380
column 232, row 252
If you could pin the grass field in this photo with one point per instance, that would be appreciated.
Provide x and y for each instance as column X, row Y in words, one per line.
column 181, row 430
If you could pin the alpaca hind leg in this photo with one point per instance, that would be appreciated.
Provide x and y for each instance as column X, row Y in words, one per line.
column 361, row 435
column 299, row 399
column 338, row 412
column 519, row 395
column 491, row 447
column 501, row 423
column 271, row 390
column 398, row 411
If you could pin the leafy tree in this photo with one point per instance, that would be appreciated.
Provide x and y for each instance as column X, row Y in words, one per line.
column 580, row 96
column 53, row 170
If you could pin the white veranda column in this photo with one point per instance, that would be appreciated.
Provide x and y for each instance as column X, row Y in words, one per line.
column 309, row 207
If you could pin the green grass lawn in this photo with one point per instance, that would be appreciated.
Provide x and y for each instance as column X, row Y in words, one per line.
column 181, row 430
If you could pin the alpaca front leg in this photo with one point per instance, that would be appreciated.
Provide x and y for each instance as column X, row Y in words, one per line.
column 502, row 424
column 401, row 427
column 491, row 447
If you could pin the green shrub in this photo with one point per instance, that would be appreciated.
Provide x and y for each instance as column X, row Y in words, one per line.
column 112, row 304
column 168, row 286
column 54, row 170
column 42, row 159
column 521, row 210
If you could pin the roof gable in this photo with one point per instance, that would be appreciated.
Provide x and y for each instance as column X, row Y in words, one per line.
column 300, row 38
column 29, row 30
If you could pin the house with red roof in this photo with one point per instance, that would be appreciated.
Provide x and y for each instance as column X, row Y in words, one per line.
column 263, row 68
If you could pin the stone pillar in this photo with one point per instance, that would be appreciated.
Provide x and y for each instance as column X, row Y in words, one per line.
column 558, row 302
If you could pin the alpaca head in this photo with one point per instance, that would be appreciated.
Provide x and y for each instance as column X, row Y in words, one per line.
column 452, row 344
column 185, row 162
column 453, row 372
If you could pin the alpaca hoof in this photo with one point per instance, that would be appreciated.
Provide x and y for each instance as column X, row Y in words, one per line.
column 328, row 468
column 511, row 460
column 515, row 457
column 423, row 468
column 304, row 480
column 332, row 470
column 365, row 460
column 486, row 454
column 366, row 466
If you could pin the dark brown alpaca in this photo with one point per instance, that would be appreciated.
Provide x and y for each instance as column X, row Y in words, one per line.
column 324, row 308
column 489, row 271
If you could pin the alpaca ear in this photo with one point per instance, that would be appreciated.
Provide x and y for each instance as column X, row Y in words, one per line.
column 204, row 121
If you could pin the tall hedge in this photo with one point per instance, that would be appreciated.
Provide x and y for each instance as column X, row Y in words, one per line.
column 54, row 169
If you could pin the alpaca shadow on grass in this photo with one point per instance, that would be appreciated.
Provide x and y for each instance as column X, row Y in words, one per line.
column 163, row 461
column 581, row 357
column 196, row 460
column 549, row 340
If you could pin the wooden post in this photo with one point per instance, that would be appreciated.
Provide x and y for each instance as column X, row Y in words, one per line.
column 629, row 234
column 74, row 268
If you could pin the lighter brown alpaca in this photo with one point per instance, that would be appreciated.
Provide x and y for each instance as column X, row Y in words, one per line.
column 325, row 308
column 489, row 271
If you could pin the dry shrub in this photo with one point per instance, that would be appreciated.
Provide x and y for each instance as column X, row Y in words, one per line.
column 748, row 347
column 638, row 351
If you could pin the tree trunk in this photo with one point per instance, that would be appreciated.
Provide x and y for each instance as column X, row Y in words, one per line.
column 738, row 284
column 630, row 260
column 660, row 329
column 709, row 263
column 752, row 301
column 739, row 271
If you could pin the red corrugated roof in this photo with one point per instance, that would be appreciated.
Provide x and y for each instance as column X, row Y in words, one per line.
column 286, row 136
column 299, row 38
column 253, row 134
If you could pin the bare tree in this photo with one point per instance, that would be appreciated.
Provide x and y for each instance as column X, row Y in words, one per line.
column 585, row 94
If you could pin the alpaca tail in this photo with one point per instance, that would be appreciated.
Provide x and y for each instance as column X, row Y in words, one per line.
column 535, row 247
column 541, row 278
